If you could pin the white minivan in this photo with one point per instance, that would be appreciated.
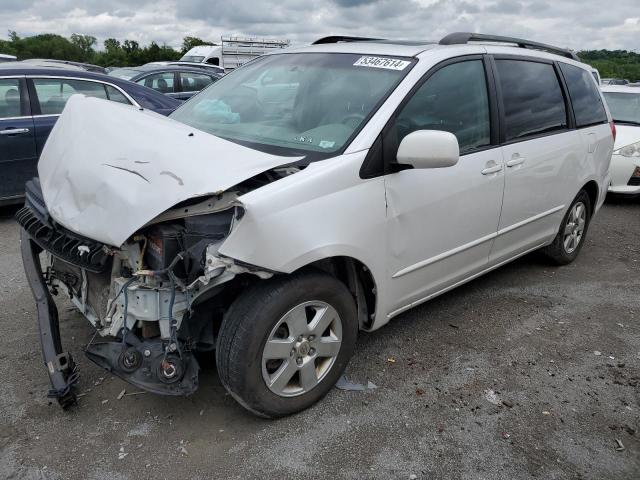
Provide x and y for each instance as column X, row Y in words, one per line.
column 305, row 197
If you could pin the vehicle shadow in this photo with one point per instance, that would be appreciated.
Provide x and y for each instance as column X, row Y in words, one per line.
column 613, row 199
column 8, row 211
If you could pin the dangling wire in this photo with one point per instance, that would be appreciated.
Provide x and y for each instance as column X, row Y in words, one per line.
column 124, row 289
column 173, row 331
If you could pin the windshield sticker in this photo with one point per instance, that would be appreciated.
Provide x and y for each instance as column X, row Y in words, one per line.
column 303, row 139
column 326, row 144
column 382, row 62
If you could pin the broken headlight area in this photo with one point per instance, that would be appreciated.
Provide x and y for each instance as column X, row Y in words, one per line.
column 155, row 300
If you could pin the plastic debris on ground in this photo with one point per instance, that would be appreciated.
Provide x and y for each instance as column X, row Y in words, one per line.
column 491, row 397
column 122, row 454
column 344, row 383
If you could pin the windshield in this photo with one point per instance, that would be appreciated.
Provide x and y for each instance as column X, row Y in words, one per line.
column 299, row 103
column 624, row 107
column 124, row 73
column 192, row 58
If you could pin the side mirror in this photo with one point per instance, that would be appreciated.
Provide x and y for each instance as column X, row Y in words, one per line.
column 429, row 149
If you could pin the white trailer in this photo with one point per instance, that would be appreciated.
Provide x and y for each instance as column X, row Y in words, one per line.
column 232, row 52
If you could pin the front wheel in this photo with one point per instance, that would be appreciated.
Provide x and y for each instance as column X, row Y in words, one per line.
column 573, row 230
column 284, row 342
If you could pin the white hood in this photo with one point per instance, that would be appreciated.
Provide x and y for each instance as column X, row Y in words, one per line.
column 107, row 169
column 626, row 135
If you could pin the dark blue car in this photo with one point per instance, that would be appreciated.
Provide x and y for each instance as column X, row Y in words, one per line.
column 178, row 81
column 32, row 99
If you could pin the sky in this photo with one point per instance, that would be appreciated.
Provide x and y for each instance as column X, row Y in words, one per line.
column 576, row 24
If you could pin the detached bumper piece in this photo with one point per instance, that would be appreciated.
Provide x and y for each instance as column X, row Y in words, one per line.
column 62, row 369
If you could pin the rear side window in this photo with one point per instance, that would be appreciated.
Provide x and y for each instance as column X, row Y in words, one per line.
column 9, row 98
column 585, row 98
column 194, row 82
column 53, row 93
column 532, row 98
column 161, row 82
column 116, row 96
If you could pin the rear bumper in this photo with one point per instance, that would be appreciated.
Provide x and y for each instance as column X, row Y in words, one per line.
column 61, row 368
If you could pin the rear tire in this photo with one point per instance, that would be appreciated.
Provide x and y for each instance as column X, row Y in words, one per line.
column 572, row 233
column 284, row 342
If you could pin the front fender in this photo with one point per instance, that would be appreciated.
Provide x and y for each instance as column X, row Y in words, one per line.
column 324, row 211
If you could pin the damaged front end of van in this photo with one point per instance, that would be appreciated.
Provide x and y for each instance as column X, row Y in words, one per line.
column 131, row 237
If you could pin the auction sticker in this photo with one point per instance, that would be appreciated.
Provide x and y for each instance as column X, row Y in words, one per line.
column 382, row 62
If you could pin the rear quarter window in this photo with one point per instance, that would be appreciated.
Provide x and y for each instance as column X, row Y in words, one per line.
column 585, row 98
column 532, row 99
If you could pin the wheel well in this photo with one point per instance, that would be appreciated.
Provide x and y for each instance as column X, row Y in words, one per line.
column 591, row 188
column 358, row 278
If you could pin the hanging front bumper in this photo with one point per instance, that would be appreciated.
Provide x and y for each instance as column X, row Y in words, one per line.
column 62, row 370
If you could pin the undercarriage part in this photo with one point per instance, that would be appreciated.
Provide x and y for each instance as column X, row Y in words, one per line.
column 148, row 365
column 148, row 303
column 62, row 370
column 89, row 290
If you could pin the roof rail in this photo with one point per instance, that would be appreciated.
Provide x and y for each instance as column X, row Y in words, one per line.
column 460, row 38
column 341, row 38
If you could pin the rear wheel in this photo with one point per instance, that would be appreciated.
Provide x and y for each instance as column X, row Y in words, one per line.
column 572, row 233
column 284, row 342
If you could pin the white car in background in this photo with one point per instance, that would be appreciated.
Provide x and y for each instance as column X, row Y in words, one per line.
column 624, row 104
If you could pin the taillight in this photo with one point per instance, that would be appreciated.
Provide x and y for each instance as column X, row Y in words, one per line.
column 613, row 129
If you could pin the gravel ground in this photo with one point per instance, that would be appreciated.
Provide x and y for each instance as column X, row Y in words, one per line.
column 529, row 372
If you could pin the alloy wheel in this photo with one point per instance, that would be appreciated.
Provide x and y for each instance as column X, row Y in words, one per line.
column 574, row 228
column 301, row 348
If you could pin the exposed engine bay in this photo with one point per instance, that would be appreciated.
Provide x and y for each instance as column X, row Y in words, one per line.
column 158, row 298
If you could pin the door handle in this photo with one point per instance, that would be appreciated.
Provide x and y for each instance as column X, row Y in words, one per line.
column 492, row 167
column 515, row 161
column 14, row 131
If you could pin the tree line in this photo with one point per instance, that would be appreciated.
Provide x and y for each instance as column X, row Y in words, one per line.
column 614, row 63
column 81, row 48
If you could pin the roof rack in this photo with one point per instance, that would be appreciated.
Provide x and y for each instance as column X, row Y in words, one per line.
column 340, row 38
column 460, row 38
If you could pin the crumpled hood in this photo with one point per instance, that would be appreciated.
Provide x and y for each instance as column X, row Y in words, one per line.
column 108, row 169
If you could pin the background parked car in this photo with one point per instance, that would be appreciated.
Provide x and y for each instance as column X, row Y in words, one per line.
column 614, row 81
column 179, row 82
column 126, row 73
column 7, row 58
column 32, row 99
column 49, row 63
column 624, row 104
column 206, row 66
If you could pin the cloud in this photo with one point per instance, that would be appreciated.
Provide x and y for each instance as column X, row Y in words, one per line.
column 577, row 24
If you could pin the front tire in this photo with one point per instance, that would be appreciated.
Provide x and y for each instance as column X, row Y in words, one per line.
column 284, row 342
column 572, row 233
